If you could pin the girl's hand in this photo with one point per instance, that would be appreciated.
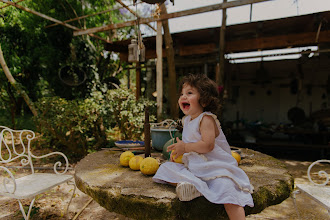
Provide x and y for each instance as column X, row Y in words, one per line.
column 179, row 148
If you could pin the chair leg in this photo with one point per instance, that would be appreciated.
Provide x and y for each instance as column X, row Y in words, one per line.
column 26, row 216
column 74, row 190
column 294, row 193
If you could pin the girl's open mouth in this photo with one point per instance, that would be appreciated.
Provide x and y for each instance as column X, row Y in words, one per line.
column 185, row 105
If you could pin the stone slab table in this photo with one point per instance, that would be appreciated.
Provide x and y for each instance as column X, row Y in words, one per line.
column 130, row 193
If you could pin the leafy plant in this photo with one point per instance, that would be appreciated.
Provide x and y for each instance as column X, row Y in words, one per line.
column 72, row 126
column 77, row 127
column 128, row 113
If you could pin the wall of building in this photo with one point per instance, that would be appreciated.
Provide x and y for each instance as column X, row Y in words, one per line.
column 269, row 96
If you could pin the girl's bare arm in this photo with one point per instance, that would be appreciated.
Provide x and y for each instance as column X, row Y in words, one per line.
column 209, row 132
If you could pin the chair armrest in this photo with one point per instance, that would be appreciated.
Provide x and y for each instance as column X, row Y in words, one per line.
column 7, row 180
column 320, row 173
column 57, row 164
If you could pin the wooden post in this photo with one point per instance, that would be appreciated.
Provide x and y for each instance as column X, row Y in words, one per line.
column 174, row 109
column 147, row 148
column 220, row 77
column 138, row 80
column 205, row 69
column 128, row 78
column 16, row 85
column 159, row 70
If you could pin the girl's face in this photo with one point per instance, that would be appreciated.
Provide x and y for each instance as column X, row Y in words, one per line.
column 189, row 101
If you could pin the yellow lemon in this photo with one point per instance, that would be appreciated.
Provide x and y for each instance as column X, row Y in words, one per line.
column 149, row 166
column 236, row 156
column 177, row 160
column 134, row 162
column 125, row 158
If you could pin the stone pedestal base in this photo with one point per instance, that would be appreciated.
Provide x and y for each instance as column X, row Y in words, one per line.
column 122, row 190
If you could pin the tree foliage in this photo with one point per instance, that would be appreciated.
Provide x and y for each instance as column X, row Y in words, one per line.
column 74, row 118
column 35, row 52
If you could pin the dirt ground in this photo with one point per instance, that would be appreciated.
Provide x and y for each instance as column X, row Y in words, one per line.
column 52, row 204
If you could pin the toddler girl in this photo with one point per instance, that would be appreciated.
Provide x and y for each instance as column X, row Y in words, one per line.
column 208, row 168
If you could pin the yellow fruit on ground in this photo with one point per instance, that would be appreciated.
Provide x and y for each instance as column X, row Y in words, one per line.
column 134, row 162
column 236, row 156
column 177, row 160
column 125, row 158
column 149, row 166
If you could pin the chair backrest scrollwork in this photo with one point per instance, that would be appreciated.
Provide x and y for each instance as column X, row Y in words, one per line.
column 321, row 174
column 16, row 144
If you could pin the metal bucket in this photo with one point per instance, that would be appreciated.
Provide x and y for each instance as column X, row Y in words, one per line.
column 160, row 135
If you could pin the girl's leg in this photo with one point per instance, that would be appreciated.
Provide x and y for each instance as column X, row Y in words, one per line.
column 235, row 212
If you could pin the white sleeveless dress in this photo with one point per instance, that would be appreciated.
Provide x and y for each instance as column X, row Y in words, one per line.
column 216, row 174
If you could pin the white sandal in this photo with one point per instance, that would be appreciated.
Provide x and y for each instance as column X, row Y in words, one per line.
column 187, row 191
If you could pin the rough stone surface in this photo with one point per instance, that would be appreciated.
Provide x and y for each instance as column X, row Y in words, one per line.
column 122, row 190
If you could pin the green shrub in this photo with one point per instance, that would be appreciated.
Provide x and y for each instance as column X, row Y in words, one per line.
column 127, row 113
column 77, row 127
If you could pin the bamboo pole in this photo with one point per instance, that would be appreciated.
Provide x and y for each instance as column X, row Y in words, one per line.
column 50, row 19
column 16, row 85
column 168, row 16
column 39, row 14
column 159, row 70
column 138, row 80
column 221, row 73
column 86, row 16
column 147, row 138
column 134, row 13
column 170, row 65
column 10, row 5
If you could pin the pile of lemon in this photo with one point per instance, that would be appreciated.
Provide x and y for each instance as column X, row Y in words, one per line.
column 147, row 166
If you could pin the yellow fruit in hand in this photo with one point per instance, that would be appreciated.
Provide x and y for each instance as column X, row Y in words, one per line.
column 134, row 162
column 125, row 158
column 177, row 160
column 149, row 166
column 236, row 156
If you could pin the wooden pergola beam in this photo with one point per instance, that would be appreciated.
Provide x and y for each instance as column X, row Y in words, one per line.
column 282, row 41
column 134, row 13
column 82, row 17
column 39, row 14
column 10, row 5
column 260, row 43
column 246, row 45
column 49, row 18
column 169, row 16
column 98, row 13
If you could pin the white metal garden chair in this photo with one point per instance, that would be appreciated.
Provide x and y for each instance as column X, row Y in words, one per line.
column 320, row 192
column 16, row 145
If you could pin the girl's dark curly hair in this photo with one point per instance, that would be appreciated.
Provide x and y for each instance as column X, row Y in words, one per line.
column 207, row 88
